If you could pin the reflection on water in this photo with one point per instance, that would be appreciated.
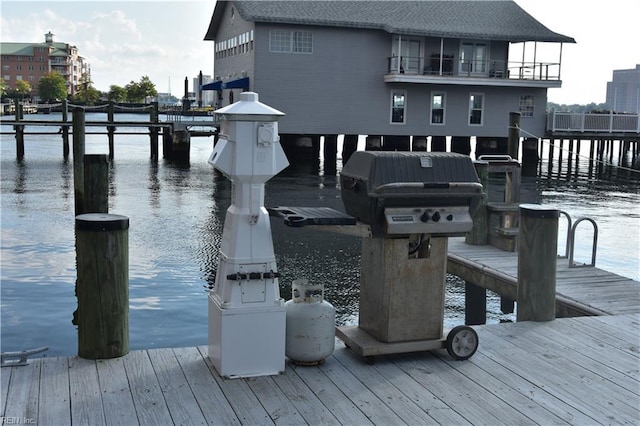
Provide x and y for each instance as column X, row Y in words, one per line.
column 176, row 213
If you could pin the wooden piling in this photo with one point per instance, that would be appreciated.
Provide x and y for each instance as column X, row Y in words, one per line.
column 349, row 146
column 479, row 232
column 65, row 129
column 96, row 183
column 438, row 143
column 111, row 129
column 102, row 251
column 537, row 254
column 153, row 131
column 475, row 304
column 78, row 162
column 330, row 151
column 513, row 142
column 19, row 129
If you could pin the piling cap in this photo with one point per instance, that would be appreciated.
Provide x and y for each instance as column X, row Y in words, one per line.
column 248, row 108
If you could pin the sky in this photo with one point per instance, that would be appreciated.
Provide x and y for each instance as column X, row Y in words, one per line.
column 164, row 40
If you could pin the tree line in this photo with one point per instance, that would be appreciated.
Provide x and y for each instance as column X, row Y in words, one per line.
column 53, row 86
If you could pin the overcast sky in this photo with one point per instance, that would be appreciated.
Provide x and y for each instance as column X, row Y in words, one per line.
column 124, row 40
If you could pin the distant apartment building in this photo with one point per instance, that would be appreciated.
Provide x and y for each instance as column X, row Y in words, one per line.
column 31, row 61
column 208, row 97
column 623, row 92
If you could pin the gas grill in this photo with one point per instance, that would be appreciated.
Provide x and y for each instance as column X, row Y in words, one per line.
column 401, row 193
column 410, row 203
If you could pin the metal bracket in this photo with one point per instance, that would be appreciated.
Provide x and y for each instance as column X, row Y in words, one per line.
column 6, row 358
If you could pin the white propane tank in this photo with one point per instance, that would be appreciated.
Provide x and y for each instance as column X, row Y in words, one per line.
column 310, row 335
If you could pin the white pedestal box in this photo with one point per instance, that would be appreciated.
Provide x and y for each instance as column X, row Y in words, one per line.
column 247, row 317
column 247, row 342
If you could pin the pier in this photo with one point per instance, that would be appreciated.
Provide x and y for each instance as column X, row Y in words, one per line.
column 568, row 371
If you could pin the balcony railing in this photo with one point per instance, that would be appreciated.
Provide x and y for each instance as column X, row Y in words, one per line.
column 447, row 66
column 593, row 123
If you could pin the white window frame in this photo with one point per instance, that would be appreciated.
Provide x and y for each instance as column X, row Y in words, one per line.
column 444, row 108
column 526, row 106
column 472, row 108
column 473, row 62
column 288, row 41
column 393, row 107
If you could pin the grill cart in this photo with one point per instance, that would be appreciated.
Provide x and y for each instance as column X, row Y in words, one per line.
column 406, row 205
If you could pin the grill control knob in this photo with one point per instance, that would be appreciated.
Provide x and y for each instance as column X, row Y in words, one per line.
column 450, row 217
column 424, row 217
column 436, row 216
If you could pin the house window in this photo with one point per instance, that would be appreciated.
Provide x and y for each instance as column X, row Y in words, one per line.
column 290, row 41
column 7, row 77
column 437, row 107
column 525, row 106
column 398, row 103
column 6, row 67
column 476, row 107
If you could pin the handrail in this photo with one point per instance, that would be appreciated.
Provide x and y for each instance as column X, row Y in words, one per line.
column 594, row 245
column 593, row 122
column 567, row 246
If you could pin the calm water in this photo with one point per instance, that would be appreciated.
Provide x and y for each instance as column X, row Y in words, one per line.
column 176, row 214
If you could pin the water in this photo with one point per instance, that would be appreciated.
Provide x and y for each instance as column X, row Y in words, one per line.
column 176, row 214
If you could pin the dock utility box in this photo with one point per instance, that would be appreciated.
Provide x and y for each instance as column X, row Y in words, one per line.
column 402, row 193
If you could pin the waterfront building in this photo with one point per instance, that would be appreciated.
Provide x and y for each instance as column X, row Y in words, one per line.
column 623, row 91
column 389, row 68
column 31, row 61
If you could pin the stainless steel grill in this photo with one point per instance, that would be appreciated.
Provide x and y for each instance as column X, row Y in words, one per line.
column 400, row 193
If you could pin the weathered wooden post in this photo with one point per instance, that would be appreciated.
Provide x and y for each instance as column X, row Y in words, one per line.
column 475, row 304
column 96, row 183
column 64, row 128
column 111, row 129
column 153, row 131
column 537, row 254
column 478, row 234
column 349, row 146
column 78, row 156
column 102, row 252
column 513, row 143
column 330, row 151
column 19, row 128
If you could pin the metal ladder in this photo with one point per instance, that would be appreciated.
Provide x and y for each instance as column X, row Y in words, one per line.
column 571, row 238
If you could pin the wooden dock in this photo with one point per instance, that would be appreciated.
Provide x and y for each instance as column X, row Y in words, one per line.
column 568, row 371
column 579, row 291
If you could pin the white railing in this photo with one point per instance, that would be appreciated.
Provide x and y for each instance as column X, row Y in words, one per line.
column 590, row 122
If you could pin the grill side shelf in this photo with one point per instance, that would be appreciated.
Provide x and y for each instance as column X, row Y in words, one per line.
column 302, row 216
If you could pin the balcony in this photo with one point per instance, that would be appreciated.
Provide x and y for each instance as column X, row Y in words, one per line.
column 447, row 70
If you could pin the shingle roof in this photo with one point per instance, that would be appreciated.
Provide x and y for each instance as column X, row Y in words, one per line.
column 481, row 19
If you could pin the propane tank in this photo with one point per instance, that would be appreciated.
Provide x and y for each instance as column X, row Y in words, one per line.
column 310, row 335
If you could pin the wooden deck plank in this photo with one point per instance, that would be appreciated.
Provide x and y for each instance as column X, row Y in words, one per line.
column 151, row 407
column 86, row 398
column 557, row 408
column 426, row 370
column 402, row 405
column 331, row 396
column 117, row 400
column 559, row 371
column 359, row 394
column 308, row 404
column 22, row 401
column 212, row 402
column 240, row 396
column 181, row 402
column 624, row 370
column 277, row 404
column 54, row 400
